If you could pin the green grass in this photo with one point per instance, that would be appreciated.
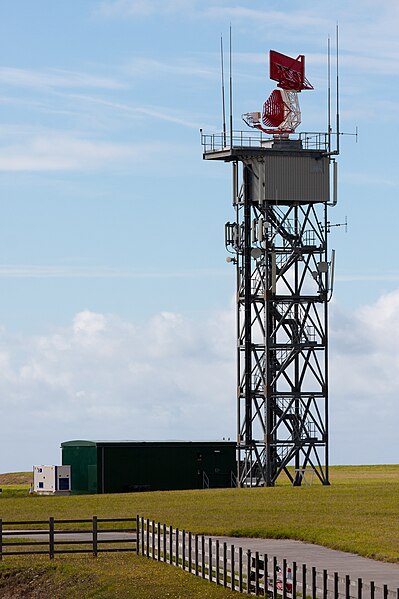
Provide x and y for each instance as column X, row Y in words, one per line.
column 359, row 512
column 105, row 577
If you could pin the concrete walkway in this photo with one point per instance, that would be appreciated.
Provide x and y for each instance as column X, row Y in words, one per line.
column 322, row 558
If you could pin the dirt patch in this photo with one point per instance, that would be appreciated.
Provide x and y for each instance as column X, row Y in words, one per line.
column 16, row 478
column 39, row 582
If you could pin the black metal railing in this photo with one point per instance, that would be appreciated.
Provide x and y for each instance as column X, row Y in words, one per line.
column 212, row 142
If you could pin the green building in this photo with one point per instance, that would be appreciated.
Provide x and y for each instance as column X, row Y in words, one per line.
column 123, row 466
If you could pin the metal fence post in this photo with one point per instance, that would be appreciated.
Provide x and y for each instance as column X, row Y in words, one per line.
column 183, row 541
column 372, row 589
column 95, row 536
column 51, row 537
column 385, row 591
column 159, row 541
column 1, row 539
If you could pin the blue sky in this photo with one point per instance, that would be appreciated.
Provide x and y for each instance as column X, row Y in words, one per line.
column 116, row 304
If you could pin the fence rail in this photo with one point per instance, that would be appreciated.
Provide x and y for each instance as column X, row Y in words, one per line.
column 249, row 572
column 51, row 537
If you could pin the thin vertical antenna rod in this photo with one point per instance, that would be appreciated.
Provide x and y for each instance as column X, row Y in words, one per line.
column 329, row 93
column 223, row 100
column 337, row 42
column 231, row 95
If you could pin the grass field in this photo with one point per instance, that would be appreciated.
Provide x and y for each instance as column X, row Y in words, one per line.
column 359, row 512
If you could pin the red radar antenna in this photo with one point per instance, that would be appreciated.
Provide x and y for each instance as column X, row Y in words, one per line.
column 281, row 110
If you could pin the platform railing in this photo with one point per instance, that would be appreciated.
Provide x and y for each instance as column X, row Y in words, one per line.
column 213, row 142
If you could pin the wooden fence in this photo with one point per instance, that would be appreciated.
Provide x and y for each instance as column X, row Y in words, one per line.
column 249, row 572
column 51, row 537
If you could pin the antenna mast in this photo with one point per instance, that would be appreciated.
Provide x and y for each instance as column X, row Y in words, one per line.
column 223, row 99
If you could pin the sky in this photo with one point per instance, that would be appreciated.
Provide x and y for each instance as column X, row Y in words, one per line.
column 116, row 302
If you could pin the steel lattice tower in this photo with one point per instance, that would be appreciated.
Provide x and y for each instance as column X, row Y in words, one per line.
column 281, row 194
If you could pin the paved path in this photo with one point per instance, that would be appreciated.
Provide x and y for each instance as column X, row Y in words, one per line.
column 322, row 557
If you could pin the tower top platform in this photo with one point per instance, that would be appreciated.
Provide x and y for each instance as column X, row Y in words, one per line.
column 241, row 144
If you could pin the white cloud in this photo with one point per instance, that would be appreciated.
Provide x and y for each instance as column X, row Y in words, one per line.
column 141, row 8
column 55, row 78
column 173, row 377
column 63, row 152
column 170, row 377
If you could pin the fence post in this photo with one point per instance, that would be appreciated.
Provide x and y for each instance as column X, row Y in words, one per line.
column 171, row 544
column 210, row 571
column 153, row 539
column 137, row 534
column 95, row 536
column 177, row 547
column 217, row 562
column 347, row 587
column 148, row 537
column 284, row 579
column 249, row 572
column 359, row 588
column 225, row 564
column 183, row 540
column 159, row 541
column 240, row 569
column 304, row 585
column 336, row 586
column 257, row 573
column 313, row 582
column 1, row 539
column 325, row 584
column 190, row 542
column 142, row 536
column 294, row 580
column 372, row 589
column 164, row 542
column 265, row 575
column 385, row 591
column 51, row 537
column 202, row 556
column 196, row 554
column 232, row 568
